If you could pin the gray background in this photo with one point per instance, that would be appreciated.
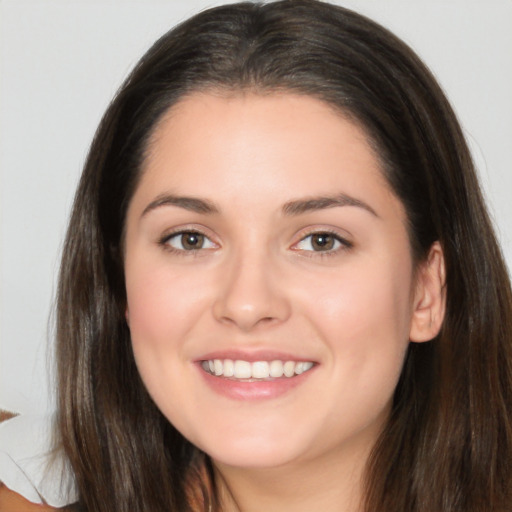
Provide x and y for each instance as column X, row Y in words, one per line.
column 61, row 62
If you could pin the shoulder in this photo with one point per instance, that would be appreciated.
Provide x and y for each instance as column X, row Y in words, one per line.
column 11, row 501
column 34, row 474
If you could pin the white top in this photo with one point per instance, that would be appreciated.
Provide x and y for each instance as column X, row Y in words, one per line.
column 25, row 453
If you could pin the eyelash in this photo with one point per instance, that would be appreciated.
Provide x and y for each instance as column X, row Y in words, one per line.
column 343, row 243
column 164, row 242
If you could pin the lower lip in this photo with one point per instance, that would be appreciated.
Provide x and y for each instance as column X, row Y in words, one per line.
column 253, row 390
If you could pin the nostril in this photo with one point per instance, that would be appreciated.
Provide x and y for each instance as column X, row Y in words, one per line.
column 247, row 323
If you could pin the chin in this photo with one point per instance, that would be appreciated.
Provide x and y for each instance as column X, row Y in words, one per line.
column 253, row 451
column 253, row 457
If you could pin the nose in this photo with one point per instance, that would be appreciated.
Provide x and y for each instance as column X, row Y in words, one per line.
column 252, row 294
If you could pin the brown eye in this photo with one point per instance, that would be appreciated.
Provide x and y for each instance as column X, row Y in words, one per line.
column 322, row 242
column 188, row 241
column 191, row 241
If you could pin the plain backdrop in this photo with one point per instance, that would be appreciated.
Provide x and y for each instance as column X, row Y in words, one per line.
column 60, row 64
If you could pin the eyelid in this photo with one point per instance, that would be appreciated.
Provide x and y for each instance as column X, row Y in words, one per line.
column 345, row 244
column 181, row 230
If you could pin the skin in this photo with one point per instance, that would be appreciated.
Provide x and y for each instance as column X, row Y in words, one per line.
column 258, row 283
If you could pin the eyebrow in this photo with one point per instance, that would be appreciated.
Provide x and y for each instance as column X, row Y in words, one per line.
column 301, row 206
column 291, row 208
column 192, row 204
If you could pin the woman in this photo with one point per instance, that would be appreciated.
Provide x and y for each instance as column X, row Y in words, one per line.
column 280, row 288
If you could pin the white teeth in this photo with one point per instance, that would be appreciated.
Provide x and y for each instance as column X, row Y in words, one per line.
column 243, row 370
column 307, row 366
column 276, row 369
column 217, row 366
column 260, row 370
column 229, row 368
column 289, row 368
column 240, row 369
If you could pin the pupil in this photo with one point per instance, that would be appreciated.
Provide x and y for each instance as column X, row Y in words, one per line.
column 323, row 242
column 192, row 241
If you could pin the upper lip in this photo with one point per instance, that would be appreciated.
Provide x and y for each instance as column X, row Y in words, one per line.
column 252, row 356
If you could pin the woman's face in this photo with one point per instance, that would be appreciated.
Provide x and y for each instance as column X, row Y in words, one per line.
column 262, row 242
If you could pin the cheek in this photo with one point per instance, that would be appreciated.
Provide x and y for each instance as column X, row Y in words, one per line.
column 369, row 301
column 364, row 317
column 162, row 305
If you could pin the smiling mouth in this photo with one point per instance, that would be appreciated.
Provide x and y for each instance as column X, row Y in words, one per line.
column 254, row 371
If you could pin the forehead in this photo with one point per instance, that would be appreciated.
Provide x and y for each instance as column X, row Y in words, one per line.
column 255, row 145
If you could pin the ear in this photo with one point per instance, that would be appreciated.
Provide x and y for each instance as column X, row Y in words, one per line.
column 127, row 316
column 429, row 297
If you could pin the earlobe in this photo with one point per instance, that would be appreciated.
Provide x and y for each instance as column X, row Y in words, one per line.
column 429, row 297
column 127, row 316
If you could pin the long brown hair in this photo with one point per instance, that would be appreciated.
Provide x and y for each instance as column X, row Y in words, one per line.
column 448, row 444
